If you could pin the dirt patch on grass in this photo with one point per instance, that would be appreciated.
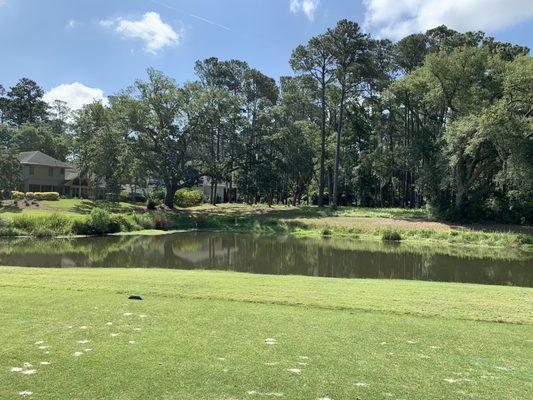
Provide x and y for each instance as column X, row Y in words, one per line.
column 368, row 223
column 25, row 205
column 372, row 223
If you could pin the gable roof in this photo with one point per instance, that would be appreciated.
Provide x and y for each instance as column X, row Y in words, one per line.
column 39, row 158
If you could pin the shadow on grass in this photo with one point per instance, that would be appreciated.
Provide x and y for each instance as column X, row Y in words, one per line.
column 86, row 206
column 9, row 207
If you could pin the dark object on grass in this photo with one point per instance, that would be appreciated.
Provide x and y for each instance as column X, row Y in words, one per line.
column 136, row 297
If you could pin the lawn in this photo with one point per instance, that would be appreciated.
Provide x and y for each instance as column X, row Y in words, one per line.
column 202, row 335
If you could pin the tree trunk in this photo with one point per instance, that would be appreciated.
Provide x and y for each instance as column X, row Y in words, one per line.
column 170, row 190
column 337, row 153
column 460, row 199
column 215, row 187
column 322, row 146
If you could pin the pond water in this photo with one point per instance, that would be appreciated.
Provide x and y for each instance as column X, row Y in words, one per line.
column 268, row 254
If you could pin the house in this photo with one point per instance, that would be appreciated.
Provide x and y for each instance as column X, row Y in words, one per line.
column 42, row 173
column 224, row 193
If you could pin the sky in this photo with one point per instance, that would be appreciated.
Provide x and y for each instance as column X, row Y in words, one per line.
column 83, row 50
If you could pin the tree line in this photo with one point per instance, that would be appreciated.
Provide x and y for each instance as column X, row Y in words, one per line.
column 440, row 119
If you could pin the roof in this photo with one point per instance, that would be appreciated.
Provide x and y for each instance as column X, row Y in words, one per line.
column 39, row 158
column 71, row 174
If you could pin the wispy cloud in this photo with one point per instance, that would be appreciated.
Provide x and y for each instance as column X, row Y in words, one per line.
column 150, row 28
column 308, row 7
column 208, row 21
column 395, row 19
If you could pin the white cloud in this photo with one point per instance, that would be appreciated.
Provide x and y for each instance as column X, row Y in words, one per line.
column 76, row 95
column 71, row 23
column 396, row 19
column 308, row 7
column 155, row 33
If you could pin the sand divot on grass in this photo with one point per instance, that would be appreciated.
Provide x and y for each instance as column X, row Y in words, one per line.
column 115, row 334
column 16, row 369
column 271, row 341
column 269, row 394
column 361, row 384
column 451, row 381
column 77, row 354
column 84, row 341
column 45, row 363
column 25, row 393
column 109, row 323
column 39, row 342
column 296, row 371
column 506, row 369
column 29, row 371
column 131, row 342
column 127, row 314
column 87, row 350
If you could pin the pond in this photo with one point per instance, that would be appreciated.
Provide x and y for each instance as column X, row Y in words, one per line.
column 267, row 254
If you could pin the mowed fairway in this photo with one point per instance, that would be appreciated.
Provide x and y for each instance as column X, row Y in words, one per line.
column 203, row 335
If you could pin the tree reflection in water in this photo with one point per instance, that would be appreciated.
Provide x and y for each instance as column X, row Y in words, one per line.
column 273, row 255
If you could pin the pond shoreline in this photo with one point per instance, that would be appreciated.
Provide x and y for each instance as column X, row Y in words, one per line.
column 349, row 223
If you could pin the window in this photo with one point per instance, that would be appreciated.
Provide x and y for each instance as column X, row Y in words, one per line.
column 32, row 170
column 62, row 171
column 50, row 171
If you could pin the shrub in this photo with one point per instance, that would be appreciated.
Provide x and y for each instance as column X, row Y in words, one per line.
column 158, row 194
column 46, row 196
column 151, row 204
column 30, row 196
column 42, row 225
column 391, row 234
column 188, row 198
column 99, row 221
column 135, row 197
column 524, row 238
column 16, row 195
column 143, row 221
column 326, row 232
column 160, row 221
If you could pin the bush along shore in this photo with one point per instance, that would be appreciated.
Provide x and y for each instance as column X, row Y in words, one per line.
column 101, row 221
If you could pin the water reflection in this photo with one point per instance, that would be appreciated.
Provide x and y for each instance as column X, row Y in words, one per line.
column 268, row 255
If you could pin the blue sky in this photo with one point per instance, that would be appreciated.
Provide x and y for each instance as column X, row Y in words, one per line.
column 96, row 47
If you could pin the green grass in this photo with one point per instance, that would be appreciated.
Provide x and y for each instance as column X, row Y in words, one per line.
column 85, row 206
column 478, row 336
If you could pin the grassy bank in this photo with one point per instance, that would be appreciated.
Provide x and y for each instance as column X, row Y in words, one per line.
column 70, row 217
column 202, row 335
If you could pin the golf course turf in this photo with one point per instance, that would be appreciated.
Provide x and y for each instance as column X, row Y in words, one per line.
column 204, row 335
